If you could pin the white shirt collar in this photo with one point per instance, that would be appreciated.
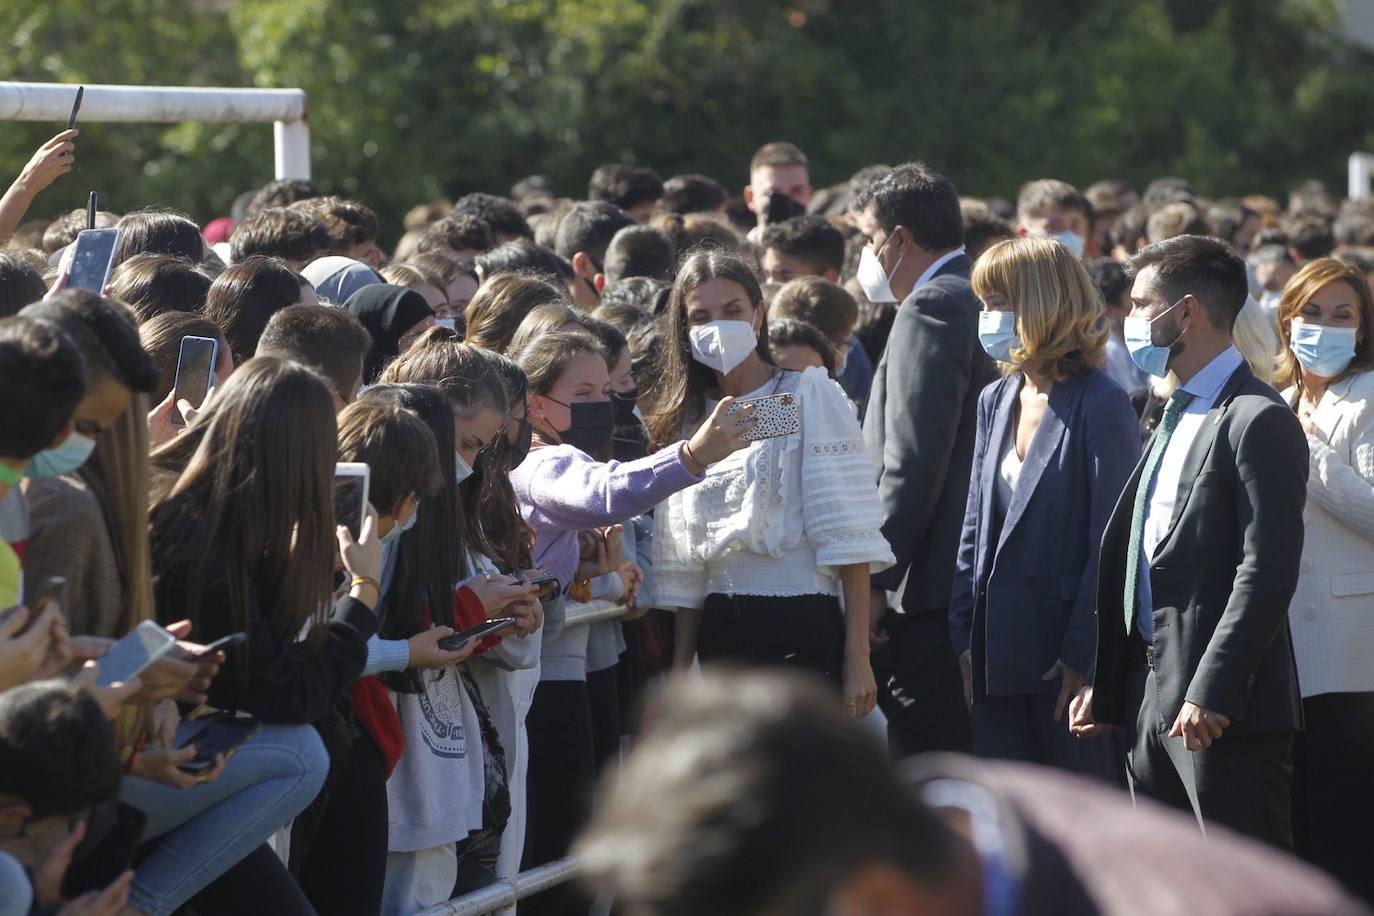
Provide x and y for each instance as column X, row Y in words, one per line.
column 1207, row 384
column 934, row 268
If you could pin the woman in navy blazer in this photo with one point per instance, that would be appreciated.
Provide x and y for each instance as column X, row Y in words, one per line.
column 1057, row 440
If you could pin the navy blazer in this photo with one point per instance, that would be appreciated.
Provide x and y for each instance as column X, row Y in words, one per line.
column 1025, row 593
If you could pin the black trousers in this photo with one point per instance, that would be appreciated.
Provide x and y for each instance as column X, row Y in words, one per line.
column 259, row 883
column 1022, row 727
column 559, row 787
column 345, row 867
column 1333, row 806
column 803, row 632
column 1242, row 781
column 603, row 695
column 924, row 699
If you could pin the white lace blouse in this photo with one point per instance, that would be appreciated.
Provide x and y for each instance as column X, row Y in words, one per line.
column 780, row 517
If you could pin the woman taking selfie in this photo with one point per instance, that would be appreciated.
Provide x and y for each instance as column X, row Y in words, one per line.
column 1056, row 441
column 758, row 558
column 243, row 541
column 1326, row 371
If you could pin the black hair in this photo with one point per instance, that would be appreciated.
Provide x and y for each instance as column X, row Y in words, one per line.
column 20, row 283
column 921, row 199
column 500, row 214
column 42, row 379
column 647, row 294
column 106, row 334
column 524, row 257
column 1310, row 237
column 332, row 341
column 459, row 232
column 1110, row 279
column 685, row 194
column 57, row 750
column 280, row 193
column 813, row 239
column 245, row 296
column 1207, row 268
column 151, row 284
column 281, row 232
column 789, row 332
column 589, row 227
column 626, row 186
column 1225, row 218
column 348, row 222
column 158, row 232
column 639, row 251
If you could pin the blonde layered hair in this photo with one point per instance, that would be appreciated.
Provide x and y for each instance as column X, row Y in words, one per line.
column 1059, row 314
column 1301, row 287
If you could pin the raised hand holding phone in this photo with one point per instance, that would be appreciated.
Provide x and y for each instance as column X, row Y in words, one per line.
column 195, row 377
column 362, row 559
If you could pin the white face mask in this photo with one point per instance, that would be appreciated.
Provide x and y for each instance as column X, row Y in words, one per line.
column 877, row 283
column 396, row 531
column 723, row 345
column 1072, row 241
column 450, row 323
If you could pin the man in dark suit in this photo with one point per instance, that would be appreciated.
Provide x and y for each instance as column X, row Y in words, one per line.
column 1200, row 560
column 919, row 427
column 830, row 827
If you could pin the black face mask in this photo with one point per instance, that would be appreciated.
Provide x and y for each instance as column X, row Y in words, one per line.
column 593, row 423
column 521, row 449
column 624, row 402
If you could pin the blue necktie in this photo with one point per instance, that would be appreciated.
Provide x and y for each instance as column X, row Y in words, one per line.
column 1178, row 402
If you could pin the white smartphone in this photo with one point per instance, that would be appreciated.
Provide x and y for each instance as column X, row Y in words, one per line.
column 774, row 415
column 351, row 484
column 90, row 261
column 195, row 373
column 132, row 655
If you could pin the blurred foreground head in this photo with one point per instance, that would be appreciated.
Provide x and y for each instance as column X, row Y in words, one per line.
column 754, row 794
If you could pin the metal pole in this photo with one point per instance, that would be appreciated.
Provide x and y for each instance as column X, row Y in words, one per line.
column 508, row 891
column 291, row 141
column 165, row 104
column 1359, row 172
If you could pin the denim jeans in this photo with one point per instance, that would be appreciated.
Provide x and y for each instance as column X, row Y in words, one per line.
column 203, row 831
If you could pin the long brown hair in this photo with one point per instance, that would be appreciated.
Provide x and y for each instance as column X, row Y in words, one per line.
column 1301, row 287
column 680, row 393
column 118, row 472
column 251, row 479
column 495, row 526
column 500, row 304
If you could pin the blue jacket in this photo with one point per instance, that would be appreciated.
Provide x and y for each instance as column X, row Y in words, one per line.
column 1025, row 592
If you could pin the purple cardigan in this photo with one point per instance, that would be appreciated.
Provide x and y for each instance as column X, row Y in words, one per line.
column 563, row 490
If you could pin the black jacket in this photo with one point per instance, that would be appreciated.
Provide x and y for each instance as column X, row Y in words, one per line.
column 1223, row 576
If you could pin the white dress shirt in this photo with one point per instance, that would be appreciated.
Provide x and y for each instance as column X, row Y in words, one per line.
column 935, row 266
column 1159, row 511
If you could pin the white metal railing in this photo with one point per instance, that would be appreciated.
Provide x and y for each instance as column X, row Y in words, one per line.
column 285, row 108
column 504, row 893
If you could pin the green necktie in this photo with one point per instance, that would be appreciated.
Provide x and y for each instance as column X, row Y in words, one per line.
column 1178, row 402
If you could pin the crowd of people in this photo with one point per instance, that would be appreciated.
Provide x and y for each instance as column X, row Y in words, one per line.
column 1084, row 481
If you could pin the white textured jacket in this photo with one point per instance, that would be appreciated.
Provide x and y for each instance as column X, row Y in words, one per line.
column 1332, row 614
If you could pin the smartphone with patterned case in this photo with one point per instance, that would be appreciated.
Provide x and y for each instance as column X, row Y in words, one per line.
column 775, row 415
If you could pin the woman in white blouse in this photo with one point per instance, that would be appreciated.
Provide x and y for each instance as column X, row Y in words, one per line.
column 757, row 557
column 1326, row 371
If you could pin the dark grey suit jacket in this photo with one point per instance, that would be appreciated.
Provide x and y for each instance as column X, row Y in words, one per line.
column 919, row 428
column 1224, row 574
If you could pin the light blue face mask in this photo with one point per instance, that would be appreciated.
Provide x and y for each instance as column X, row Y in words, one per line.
column 1139, row 335
column 1323, row 351
column 463, row 470
column 64, row 459
column 997, row 334
column 396, row 531
column 1072, row 241
column 450, row 323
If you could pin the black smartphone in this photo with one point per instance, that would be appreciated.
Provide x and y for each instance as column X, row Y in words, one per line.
column 76, row 106
column 782, row 207
column 223, row 644
column 545, row 586
column 92, row 201
column 481, row 631
column 133, row 654
column 195, row 373
column 92, row 259
column 113, row 832
column 351, row 479
column 213, row 735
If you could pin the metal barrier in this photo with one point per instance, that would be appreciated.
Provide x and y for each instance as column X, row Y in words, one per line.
column 506, row 892
column 285, row 108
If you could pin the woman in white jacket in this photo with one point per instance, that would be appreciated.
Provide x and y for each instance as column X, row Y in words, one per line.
column 1326, row 371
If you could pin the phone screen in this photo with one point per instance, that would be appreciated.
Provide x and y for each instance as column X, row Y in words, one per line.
column 350, row 497
column 92, row 255
column 134, row 653
column 194, row 368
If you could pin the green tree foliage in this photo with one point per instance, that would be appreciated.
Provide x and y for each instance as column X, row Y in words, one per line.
column 414, row 99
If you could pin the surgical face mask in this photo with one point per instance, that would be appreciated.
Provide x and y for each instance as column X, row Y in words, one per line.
column 723, row 345
column 396, row 531
column 1139, row 335
column 997, row 334
column 593, row 424
column 876, row 281
column 450, row 323
column 463, row 470
column 64, row 459
column 1325, row 352
column 624, row 402
column 1072, row 241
